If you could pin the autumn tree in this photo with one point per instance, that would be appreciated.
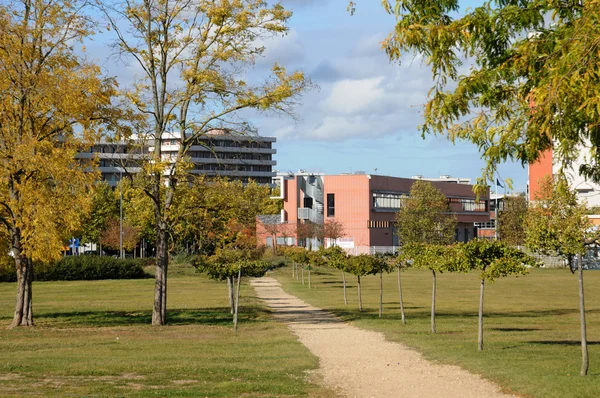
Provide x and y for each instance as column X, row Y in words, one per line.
column 511, row 220
column 193, row 56
column 425, row 219
column 333, row 230
column 111, row 235
column 305, row 232
column 494, row 259
column 53, row 103
column 558, row 225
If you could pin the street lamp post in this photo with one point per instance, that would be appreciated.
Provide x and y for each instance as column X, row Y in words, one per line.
column 121, row 214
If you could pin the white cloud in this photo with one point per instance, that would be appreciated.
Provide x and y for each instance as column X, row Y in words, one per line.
column 351, row 96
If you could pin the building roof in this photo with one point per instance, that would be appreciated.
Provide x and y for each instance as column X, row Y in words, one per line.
column 269, row 219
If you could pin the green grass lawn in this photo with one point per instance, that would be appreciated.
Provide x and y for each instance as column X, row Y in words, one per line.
column 95, row 339
column 531, row 323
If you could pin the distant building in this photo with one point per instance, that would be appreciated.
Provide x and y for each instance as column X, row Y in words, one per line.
column 366, row 206
column 216, row 154
column 546, row 166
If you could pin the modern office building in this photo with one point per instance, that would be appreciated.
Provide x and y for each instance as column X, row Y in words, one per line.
column 365, row 205
column 215, row 154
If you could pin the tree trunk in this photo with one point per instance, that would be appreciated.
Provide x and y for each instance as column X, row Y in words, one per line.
column 401, row 301
column 380, row 294
column 230, row 293
column 584, row 350
column 359, row 295
column 344, row 280
column 237, row 302
column 303, row 274
column 309, row 276
column 480, row 331
column 159, row 312
column 433, row 304
column 293, row 265
column 23, row 308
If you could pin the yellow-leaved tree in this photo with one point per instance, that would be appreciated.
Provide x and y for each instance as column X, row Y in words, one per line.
column 193, row 57
column 51, row 103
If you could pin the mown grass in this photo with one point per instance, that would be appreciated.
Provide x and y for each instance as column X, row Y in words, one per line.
column 95, row 339
column 531, row 323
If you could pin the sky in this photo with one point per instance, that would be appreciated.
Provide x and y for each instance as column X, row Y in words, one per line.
column 365, row 112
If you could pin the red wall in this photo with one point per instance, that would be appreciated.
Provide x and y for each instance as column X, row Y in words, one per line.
column 537, row 171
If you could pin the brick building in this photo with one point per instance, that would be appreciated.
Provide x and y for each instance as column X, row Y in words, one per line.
column 366, row 206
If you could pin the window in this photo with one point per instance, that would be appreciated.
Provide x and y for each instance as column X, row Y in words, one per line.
column 308, row 202
column 330, row 205
column 385, row 201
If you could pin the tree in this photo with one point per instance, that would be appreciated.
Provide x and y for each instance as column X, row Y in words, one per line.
column 53, row 103
column 437, row 259
column 495, row 259
column 397, row 261
column 333, row 229
column 425, row 220
column 193, row 56
column 104, row 207
column 231, row 265
column 111, row 236
column 556, row 224
column 305, row 232
column 530, row 85
column 511, row 220
column 381, row 265
column 336, row 257
column 361, row 265
column 298, row 255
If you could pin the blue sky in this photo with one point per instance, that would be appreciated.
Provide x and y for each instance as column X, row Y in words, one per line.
column 365, row 114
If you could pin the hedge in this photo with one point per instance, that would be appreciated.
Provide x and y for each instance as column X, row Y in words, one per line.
column 82, row 268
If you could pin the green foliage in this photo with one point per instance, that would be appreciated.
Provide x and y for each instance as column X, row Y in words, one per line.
column 364, row 264
column 556, row 224
column 511, row 220
column 531, row 80
column 104, row 207
column 226, row 263
column 495, row 259
column 83, row 268
column 437, row 258
column 336, row 257
column 425, row 216
column 299, row 255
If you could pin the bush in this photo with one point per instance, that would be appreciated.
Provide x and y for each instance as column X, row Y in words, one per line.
column 84, row 268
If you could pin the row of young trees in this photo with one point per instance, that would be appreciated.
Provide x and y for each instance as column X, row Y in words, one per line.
column 191, row 56
column 554, row 224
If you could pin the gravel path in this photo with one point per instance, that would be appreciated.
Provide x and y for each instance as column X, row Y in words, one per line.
column 361, row 363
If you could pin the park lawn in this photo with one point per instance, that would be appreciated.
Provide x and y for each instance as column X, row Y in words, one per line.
column 95, row 339
column 531, row 323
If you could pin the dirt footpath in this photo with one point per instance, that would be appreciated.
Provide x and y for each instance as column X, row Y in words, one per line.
column 361, row 363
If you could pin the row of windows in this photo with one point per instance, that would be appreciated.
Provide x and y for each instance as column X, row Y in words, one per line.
column 224, row 167
column 394, row 201
column 469, row 204
column 233, row 144
column 226, row 155
column 486, row 225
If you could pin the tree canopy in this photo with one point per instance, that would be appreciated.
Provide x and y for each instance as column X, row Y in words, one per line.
column 514, row 77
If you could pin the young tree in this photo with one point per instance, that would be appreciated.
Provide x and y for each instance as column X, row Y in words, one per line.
column 361, row 265
column 315, row 259
column 495, row 259
column 111, row 236
column 231, row 265
column 298, row 255
column 396, row 261
column 104, row 207
column 381, row 265
column 437, row 259
column 556, row 224
column 193, row 56
column 52, row 103
column 336, row 257
column 305, row 232
column 511, row 220
column 425, row 220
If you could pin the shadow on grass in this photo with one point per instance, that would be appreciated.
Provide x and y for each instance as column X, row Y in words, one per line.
column 562, row 342
column 198, row 316
column 515, row 329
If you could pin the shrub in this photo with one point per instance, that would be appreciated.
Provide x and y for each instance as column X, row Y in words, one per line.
column 84, row 268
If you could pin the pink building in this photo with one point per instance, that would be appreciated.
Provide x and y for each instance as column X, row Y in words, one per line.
column 366, row 206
